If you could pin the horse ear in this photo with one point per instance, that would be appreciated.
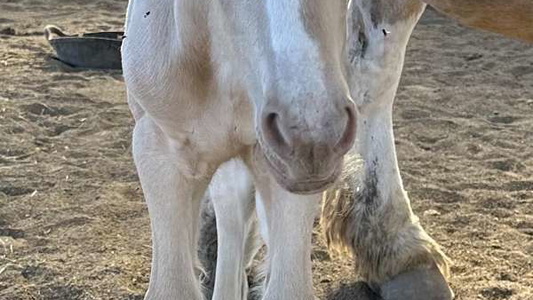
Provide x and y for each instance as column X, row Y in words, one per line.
column 513, row 18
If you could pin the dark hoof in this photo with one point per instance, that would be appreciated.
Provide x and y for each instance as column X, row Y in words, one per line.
column 353, row 291
column 420, row 284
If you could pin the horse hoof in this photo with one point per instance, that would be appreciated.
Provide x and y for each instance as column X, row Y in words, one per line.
column 420, row 284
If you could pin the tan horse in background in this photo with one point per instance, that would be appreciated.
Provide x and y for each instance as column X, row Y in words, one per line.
column 240, row 97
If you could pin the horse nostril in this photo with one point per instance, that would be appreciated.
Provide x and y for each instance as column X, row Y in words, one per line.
column 272, row 131
column 348, row 137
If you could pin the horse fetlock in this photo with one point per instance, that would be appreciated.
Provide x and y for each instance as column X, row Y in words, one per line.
column 381, row 259
column 409, row 266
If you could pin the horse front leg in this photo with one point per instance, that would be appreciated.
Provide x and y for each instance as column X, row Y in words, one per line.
column 173, row 196
column 371, row 216
column 232, row 195
column 286, row 224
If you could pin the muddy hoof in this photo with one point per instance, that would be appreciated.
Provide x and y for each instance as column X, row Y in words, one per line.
column 421, row 284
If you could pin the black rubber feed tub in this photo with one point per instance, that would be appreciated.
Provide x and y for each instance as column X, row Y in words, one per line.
column 98, row 50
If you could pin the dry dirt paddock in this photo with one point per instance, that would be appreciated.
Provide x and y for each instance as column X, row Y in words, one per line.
column 73, row 224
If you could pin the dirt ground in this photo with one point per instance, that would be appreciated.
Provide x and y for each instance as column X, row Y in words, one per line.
column 73, row 224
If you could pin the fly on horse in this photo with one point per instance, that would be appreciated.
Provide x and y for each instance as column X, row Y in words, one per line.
column 257, row 104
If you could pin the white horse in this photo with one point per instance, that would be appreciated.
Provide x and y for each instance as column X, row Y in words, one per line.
column 235, row 95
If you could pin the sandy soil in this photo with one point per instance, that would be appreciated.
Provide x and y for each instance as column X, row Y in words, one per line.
column 73, row 224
